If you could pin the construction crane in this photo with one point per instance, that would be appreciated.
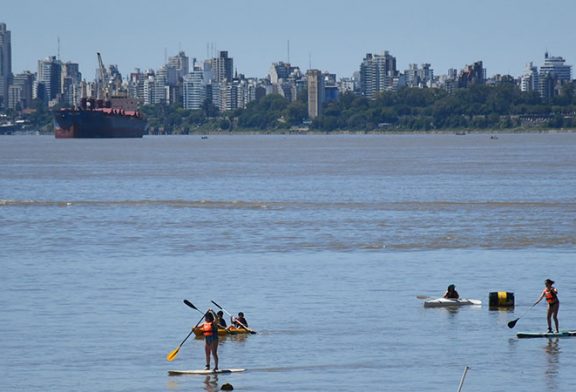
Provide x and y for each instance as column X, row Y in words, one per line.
column 103, row 92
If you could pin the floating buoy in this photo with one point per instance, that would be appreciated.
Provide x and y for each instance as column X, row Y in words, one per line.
column 501, row 299
column 227, row 387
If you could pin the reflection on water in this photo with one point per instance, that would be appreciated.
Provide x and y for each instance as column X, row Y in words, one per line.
column 552, row 349
column 211, row 383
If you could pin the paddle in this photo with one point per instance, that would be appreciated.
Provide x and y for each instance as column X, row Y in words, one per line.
column 192, row 305
column 512, row 323
column 172, row 354
column 423, row 297
column 225, row 311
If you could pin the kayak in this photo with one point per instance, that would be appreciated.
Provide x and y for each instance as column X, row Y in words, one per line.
column 561, row 334
column 227, row 331
column 206, row 372
column 449, row 302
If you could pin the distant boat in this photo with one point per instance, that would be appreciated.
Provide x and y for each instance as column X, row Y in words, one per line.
column 99, row 122
column 7, row 129
column 460, row 133
column 113, row 116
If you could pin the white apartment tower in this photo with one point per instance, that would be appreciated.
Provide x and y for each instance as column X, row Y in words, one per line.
column 530, row 81
column 194, row 90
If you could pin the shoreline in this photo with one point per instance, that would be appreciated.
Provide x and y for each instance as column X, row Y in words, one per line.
column 457, row 132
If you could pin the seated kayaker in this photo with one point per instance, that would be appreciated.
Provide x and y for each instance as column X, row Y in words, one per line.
column 221, row 322
column 451, row 292
column 239, row 321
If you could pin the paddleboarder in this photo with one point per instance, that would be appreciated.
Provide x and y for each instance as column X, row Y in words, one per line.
column 210, row 332
column 451, row 292
column 551, row 294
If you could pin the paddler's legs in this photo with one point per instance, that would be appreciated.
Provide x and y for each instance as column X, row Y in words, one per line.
column 207, row 350
column 214, row 350
column 553, row 311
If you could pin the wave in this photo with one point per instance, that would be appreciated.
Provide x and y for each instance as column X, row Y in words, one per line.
column 279, row 205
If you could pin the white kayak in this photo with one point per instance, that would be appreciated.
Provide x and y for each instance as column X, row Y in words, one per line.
column 449, row 302
column 204, row 372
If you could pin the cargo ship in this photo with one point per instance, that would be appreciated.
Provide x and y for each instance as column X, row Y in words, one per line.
column 98, row 119
column 112, row 114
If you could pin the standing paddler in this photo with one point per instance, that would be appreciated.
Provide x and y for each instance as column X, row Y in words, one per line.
column 551, row 294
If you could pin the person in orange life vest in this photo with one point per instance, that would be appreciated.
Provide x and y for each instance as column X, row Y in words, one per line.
column 210, row 332
column 551, row 295
column 239, row 321
column 451, row 292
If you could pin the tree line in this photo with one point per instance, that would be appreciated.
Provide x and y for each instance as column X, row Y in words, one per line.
column 502, row 106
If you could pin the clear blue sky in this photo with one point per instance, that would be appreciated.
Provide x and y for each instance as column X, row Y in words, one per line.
column 331, row 35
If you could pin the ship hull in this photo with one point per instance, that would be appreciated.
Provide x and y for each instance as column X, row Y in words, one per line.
column 95, row 124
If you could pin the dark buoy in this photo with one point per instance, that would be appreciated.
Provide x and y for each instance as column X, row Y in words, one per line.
column 227, row 387
column 501, row 299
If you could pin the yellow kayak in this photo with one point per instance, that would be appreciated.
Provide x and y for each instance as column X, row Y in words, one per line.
column 227, row 331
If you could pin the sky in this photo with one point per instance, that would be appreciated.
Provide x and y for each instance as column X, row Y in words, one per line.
column 331, row 35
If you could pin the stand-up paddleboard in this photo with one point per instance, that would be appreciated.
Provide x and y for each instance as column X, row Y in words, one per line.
column 203, row 372
column 561, row 334
column 447, row 302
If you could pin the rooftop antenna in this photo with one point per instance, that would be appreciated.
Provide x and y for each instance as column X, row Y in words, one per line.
column 58, row 48
column 288, row 50
column 309, row 60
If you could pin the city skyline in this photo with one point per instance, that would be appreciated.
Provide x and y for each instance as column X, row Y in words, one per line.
column 332, row 37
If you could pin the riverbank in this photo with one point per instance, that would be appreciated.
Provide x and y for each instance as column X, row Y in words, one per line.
column 459, row 132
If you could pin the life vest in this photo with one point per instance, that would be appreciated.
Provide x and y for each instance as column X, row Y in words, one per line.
column 551, row 296
column 207, row 329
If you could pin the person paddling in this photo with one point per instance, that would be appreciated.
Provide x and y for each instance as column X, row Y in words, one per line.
column 210, row 332
column 239, row 321
column 221, row 322
column 551, row 295
column 451, row 292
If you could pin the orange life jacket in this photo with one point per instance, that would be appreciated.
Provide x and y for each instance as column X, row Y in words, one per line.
column 551, row 296
column 207, row 329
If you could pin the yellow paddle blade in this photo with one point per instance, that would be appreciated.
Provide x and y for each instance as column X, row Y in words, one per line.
column 170, row 357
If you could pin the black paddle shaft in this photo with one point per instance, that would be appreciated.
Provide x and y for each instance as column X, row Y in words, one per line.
column 512, row 323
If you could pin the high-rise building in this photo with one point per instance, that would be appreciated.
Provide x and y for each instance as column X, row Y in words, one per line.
column 472, row 75
column 48, row 82
column 70, row 84
column 284, row 79
column 194, row 90
column 555, row 66
column 5, row 64
column 222, row 67
column 180, row 63
column 155, row 90
column 553, row 74
column 377, row 74
column 315, row 92
column 20, row 91
column 530, row 81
